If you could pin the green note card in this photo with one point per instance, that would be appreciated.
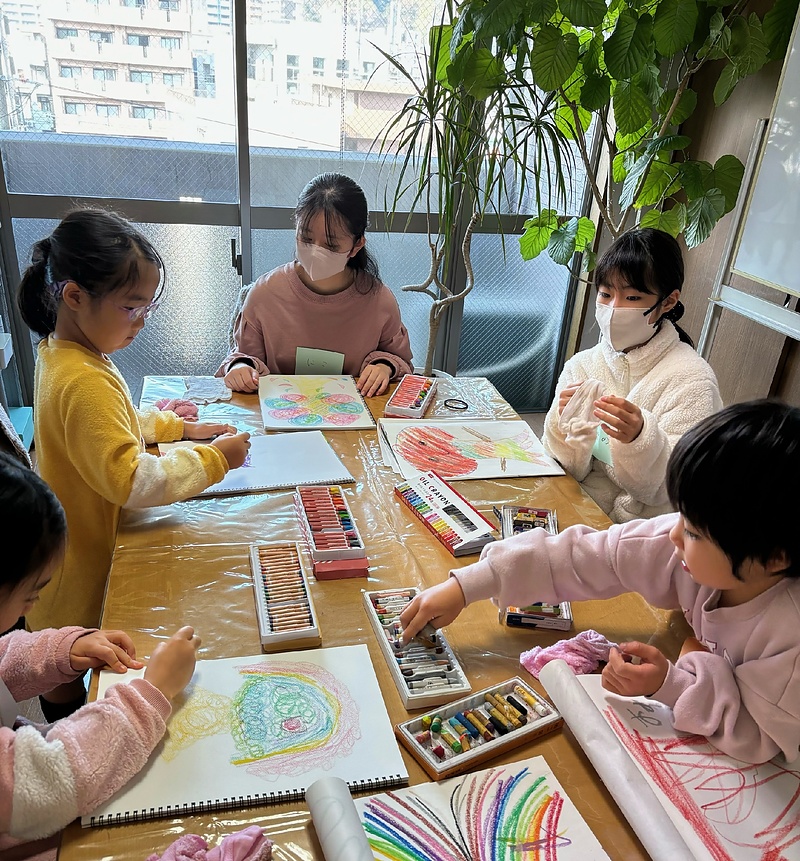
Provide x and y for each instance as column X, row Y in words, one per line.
column 602, row 449
column 310, row 361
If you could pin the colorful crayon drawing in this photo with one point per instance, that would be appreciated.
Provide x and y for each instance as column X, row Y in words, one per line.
column 308, row 401
column 480, row 450
column 517, row 812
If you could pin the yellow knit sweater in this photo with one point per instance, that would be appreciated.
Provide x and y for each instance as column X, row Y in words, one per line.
column 90, row 448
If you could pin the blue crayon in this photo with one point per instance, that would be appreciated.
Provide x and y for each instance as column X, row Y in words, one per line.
column 467, row 725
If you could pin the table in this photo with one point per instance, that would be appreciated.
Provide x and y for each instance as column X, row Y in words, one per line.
column 188, row 564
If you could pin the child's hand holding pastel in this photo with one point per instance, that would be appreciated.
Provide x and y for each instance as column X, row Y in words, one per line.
column 374, row 379
column 172, row 665
column 112, row 649
column 627, row 679
column 234, row 446
column 621, row 419
column 205, row 430
column 439, row 606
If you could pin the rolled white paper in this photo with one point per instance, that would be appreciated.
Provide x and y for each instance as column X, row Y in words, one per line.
column 613, row 763
column 336, row 821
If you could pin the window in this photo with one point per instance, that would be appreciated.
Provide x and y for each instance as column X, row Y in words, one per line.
column 369, row 68
column 69, row 71
column 291, row 87
column 66, row 33
column 107, row 110
column 173, row 79
column 39, row 73
column 138, row 76
column 171, row 43
column 104, row 74
column 318, row 67
column 137, row 39
column 169, row 5
column 342, row 67
column 75, row 108
column 205, row 82
column 143, row 112
column 136, row 4
column 45, row 104
column 103, row 36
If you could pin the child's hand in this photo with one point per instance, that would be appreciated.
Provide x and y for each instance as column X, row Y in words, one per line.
column 171, row 667
column 622, row 677
column 565, row 394
column 112, row 649
column 439, row 605
column 205, row 430
column 621, row 419
column 234, row 447
column 374, row 379
column 242, row 378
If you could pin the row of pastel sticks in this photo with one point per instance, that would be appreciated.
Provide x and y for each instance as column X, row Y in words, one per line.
column 331, row 529
column 463, row 730
column 282, row 598
column 412, row 397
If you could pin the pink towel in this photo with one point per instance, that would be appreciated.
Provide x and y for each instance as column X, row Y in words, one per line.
column 248, row 845
column 583, row 653
column 185, row 409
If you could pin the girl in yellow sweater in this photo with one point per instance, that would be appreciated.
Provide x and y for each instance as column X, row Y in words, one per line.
column 88, row 291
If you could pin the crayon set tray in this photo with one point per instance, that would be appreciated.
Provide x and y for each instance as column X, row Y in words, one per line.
column 433, row 749
column 286, row 615
column 334, row 542
column 413, row 395
column 425, row 675
column 555, row 617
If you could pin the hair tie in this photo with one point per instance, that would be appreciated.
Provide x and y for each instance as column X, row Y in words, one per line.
column 675, row 313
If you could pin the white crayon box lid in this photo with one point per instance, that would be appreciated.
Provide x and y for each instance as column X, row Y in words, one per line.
column 425, row 676
column 541, row 717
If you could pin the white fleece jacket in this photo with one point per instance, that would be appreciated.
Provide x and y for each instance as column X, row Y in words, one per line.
column 673, row 387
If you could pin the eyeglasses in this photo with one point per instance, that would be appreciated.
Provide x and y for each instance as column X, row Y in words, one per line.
column 141, row 313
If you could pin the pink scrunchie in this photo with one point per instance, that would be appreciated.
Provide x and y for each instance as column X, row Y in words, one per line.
column 583, row 653
column 248, row 845
column 179, row 406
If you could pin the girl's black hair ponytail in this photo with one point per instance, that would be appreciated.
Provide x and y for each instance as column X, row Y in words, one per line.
column 675, row 314
column 36, row 298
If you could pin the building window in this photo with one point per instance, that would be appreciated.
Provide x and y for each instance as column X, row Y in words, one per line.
column 107, row 110
column 291, row 87
column 137, row 39
column 318, row 67
column 205, row 82
column 169, row 5
column 143, row 112
column 66, row 33
column 141, row 77
column 75, row 108
column 173, row 79
column 369, row 68
column 39, row 73
column 342, row 67
column 103, row 36
column 45, row 104
column 135, row 4
column 171, row 43
column 69, row 71
column 104, row 74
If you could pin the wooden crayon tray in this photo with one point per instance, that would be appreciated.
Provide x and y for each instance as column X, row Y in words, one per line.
column 413, row 669
column 328, row 523
column 287, row 618
column 447, row 763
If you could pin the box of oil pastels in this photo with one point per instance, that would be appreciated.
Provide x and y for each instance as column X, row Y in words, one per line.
column 472, row 730
column 425, row 671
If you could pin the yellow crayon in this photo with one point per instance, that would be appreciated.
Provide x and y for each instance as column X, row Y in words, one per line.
column 503, row 708
column 538, row 707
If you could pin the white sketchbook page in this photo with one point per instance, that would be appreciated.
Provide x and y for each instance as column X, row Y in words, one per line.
column 482, row 824
column 297, row 716
column 276, row 461
column 462, row 450
column 312, row 401
column 722, row 807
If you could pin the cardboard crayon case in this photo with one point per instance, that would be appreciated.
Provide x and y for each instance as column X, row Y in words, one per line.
column 328, row 523
column 425, row 675
column 440, row 761
column 413, row 395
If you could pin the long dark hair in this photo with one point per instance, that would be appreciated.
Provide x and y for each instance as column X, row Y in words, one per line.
column 343, row 201
column 649, row 261
column 33, row 528
column 98, row 250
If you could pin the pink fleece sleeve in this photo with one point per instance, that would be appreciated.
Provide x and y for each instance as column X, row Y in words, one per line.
column 32, row 664
column 250, row 344
column 394, row 346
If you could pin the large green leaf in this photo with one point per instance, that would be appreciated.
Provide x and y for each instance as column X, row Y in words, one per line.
column 561, row 246
column 777, row 27
column 537, row 233
column 565, row 120
column 496, row 17
column 726, row 175
column 701, row 216
column 631, row 184
column 748, row 49
column 554, row 57
column 659, row 183
column 596, row 92
column 483, row 73
column 729, row 77
column 667, row 143
column 592, row 56
column 626, row 141
column 673, row 25
column 672, row 221
column 647, row 78
column 632, row 109
column 439, row 38
column 629, row 47
column 693, row 174
column 540, row 11
column 719, row 38
column 584, row 234
column 686, row 105
column 621, row 165
column 584, row 13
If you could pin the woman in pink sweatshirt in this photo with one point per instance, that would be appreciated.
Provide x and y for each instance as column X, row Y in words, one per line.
column 729, row 559
column 49, row 775
column 330, row 298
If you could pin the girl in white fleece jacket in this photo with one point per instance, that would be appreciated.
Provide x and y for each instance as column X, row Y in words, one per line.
column 639, row 389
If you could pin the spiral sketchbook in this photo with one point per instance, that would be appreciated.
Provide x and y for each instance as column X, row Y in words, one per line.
column 276, row 461
column 312, row 401
column 259, row 730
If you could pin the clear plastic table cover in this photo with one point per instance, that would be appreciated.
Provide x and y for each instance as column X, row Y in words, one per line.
column 188, row 563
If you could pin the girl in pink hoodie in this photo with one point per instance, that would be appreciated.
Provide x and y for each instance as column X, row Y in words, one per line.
column 729, row 559
column 50, row 775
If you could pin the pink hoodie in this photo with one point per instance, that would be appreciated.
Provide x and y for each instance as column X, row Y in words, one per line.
column 743, row 694
column 53, row 774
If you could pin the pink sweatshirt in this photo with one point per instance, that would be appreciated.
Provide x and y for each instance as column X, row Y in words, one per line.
column 281, row 314
column 50, row 777
column 743, row 695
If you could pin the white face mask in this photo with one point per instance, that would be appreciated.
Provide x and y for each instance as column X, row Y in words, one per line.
column 625, row 327
column 319, row 262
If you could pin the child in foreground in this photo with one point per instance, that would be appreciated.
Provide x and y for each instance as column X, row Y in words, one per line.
column 730, row 559
column 51, row 775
